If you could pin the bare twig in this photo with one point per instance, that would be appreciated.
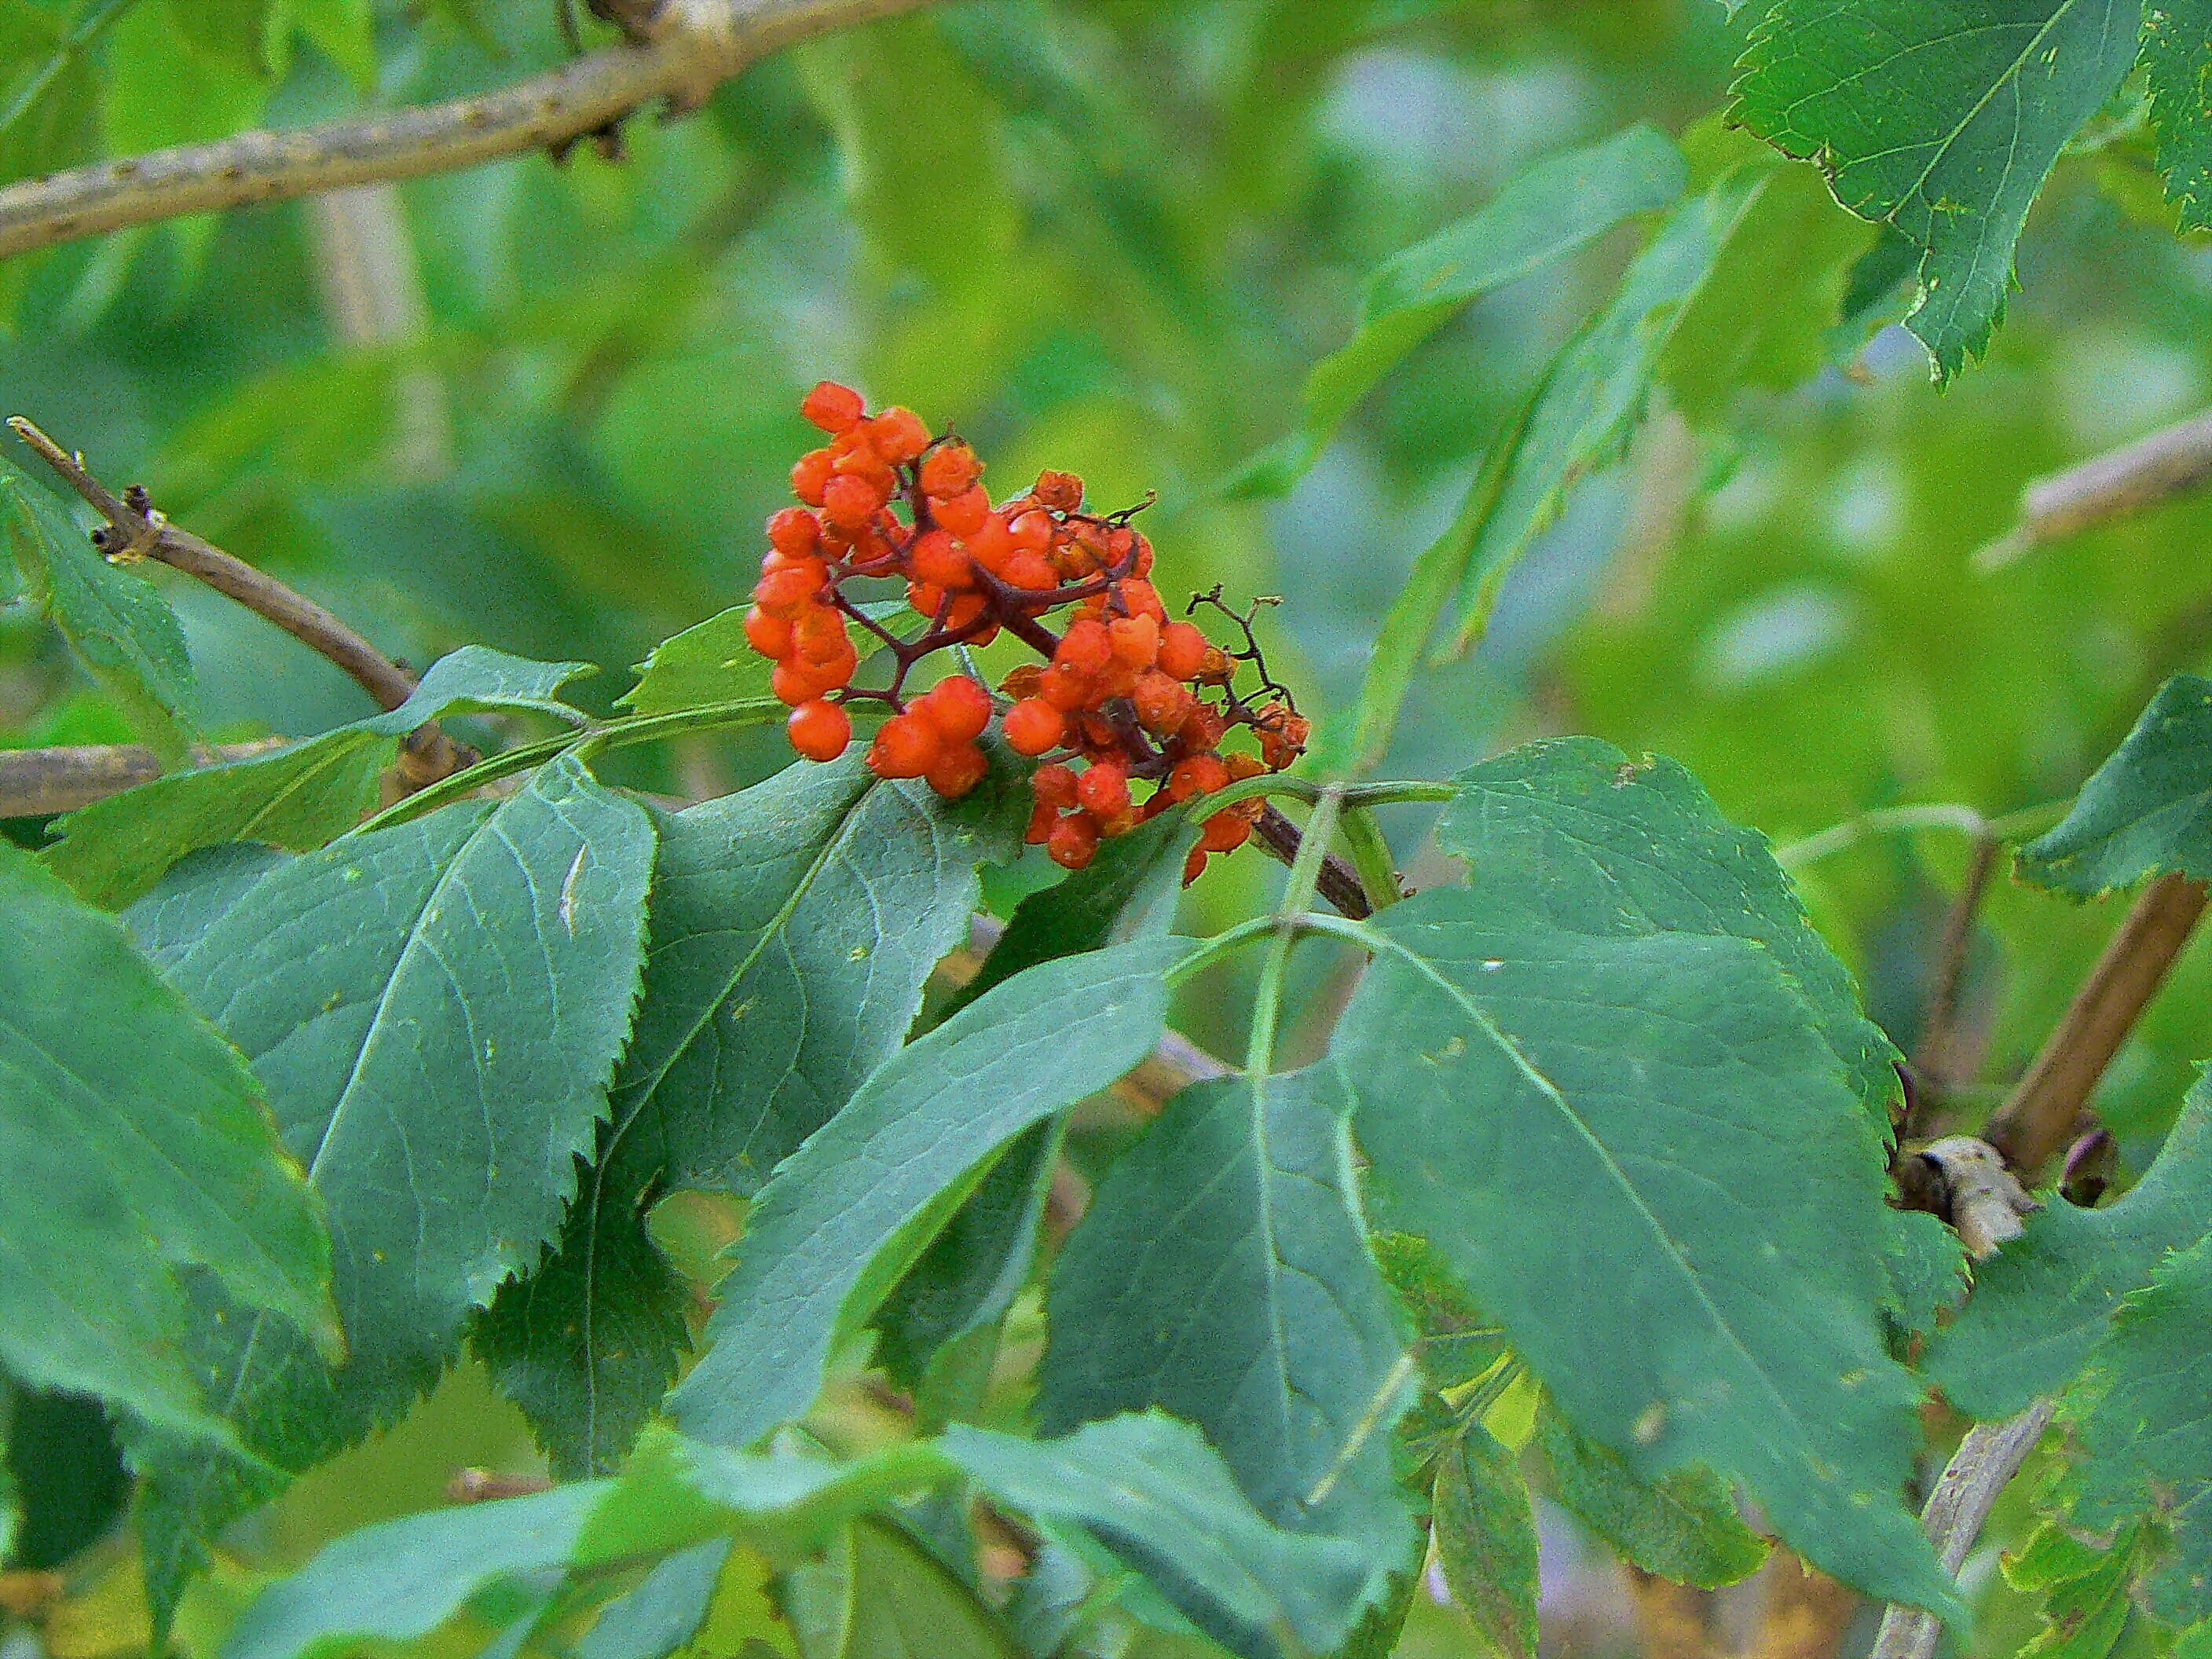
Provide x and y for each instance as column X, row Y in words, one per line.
column 36, row 782
column 1935, row 1057
column 685, row 49
column 2136, row 475
column 135, row 530
column 1986, row 1460
column 1340, row 882
column 2042, row 1114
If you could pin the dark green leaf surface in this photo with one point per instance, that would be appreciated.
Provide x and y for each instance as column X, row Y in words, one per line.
column 2146, row 1430
column 708, row 662
column 1485, row 1538
column 2044, row 1302
column 2177, row 49
column 1942, row 117
column 793, row 927
column 901, row 1603
column 200, row 887
column 1544, row 213
column 435, row 1008
column 1641, row 1157
column 1683, row 1526
column 1154, row 1493
column 299, row 798
column 122, row 631
column 846, row 1215
column 1222, row 1275
column 664, row 1612
column 136, row 1142
column 2145, row 811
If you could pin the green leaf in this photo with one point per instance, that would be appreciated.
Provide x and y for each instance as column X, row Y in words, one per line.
column 664, row 1612
column 185, row 903
column 793, row 927
column 2177, row 51
column 115, row 849
column 2084, row 1592
column 1554, row 1111
column 435, row 1008
column 1942, row 119
column 846, row 1215
column 1222, row 1275
column 136, row 1142
column 1683, row 1526
column 900, row 1603
column 2146, row 1430
column 2045, row 1301
column 1575, row 422
column 1485, row 1538
column 50, row 93
column 2146, row 811
column 122, row 631
column 712, row 661
column 1453, row 1342
column 1543, row 213
column 1765, row 315
column 1154, row 1493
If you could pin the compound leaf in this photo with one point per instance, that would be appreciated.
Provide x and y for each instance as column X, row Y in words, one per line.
column 137, row 1143
column 793, row 927
column 2146, row 811
column 1683, row 1526
column 1222, row 1275
column 902, row 1603
column 1550, row 1108
column 1942, row 117
column 844, row 1217
column 2043, row 1303
column 1486, row 1537
column 435, row 1008
column 2177, row 54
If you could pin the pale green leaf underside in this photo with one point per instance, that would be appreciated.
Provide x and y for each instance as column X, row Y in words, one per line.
column 846, row 1214
column 793, row 927
column 122, row 631
column 2145, row 811
column 435, row 1008
column 1552, row 1111
column 1544, row 213
column 1942, row 117
column 136, row 1142
column 114, row 850
column 2043, row 1303
column 1221, row 1275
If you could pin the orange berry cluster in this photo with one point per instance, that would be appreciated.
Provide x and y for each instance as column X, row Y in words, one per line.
column 1124, row 697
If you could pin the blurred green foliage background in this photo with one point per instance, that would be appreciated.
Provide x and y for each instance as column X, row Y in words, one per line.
column 545, row 406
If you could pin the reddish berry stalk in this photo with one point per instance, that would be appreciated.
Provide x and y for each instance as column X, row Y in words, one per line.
column 1133, row 698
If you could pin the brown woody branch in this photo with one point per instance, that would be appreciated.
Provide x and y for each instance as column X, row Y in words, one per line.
column 38, row 783
column 2044, row 1111
column 681, row 51
column 134, row 530
column 2137, row 476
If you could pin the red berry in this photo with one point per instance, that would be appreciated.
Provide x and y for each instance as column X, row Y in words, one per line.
column 832, row 407
column 1194, row 866
column 936, row 558
column 956, row 770
column 769, row 635
column 1033, row 725
column 819, row 637
column 819, row 729
column 811, row 475
column 793, row 585
column 1065, row 689
column 1073, row 841
column 965, row 513
column 849, row 502
column 794, row 532
column 898, row 436
column 1199, row 774
column 1136, row 640
column 1062, row 491
column 928, row 598
column 1104, row 790
column 1031, row 572
column 992, row 546
column 1224, row 832
column 957, row 708
column 1042, row 818
column 948, row 470
column 1162, row 702
column 905, row 747
column 1054, row 786
column 1182, row 650
column 1032, row 530
column 1086, row 647
column 796, row 682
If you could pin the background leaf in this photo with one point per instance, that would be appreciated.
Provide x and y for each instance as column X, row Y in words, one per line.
column 1485, row 1539
column 2178, row 50
column 900, row 1603
column 1683, row 1526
